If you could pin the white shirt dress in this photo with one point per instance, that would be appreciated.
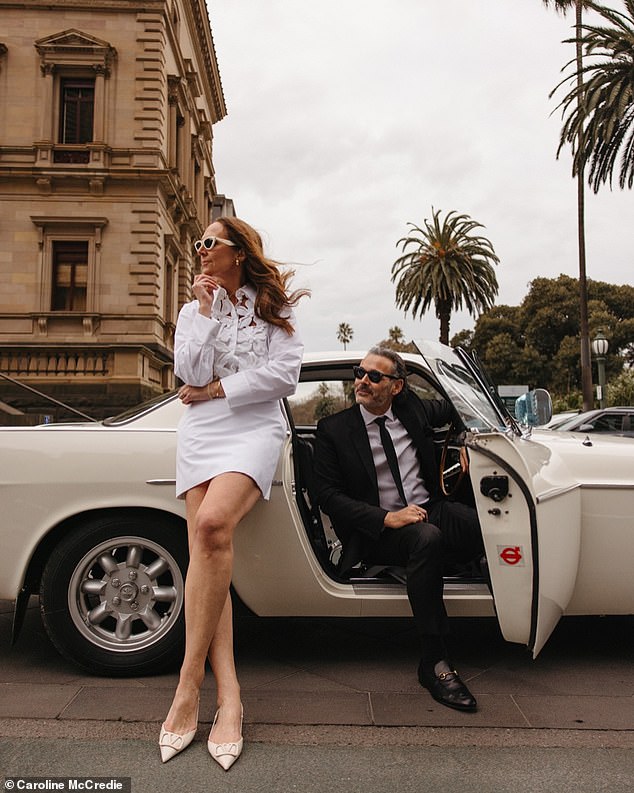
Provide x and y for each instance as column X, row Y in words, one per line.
column 258, row 364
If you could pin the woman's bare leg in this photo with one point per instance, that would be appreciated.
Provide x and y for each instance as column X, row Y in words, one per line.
column 221, row 650
column 227, row 727
column 228, row 498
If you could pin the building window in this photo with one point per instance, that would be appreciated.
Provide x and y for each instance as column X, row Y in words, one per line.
column 75, row 68
column 77, row 110
column 69, row 262
column 70, row 275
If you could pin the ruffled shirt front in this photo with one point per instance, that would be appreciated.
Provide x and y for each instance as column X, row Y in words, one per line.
column 242, row 338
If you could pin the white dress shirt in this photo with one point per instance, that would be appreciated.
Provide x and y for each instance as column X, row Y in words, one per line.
column 258, row 364
column 409, row 468
column 254, row 359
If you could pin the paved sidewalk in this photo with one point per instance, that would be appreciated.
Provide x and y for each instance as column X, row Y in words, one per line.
column 304, row 677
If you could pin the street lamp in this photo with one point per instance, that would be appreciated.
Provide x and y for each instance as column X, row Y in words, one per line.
column 600, row 350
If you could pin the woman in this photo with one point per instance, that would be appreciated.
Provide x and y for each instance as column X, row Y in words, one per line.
column 238, row 353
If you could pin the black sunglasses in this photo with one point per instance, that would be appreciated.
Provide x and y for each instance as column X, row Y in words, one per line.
column 374, row 376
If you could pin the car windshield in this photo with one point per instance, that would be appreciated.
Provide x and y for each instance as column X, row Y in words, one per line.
column 559, row 420
column 569, row 423
column 611, row 421
column 139, row 410
column 468, row 393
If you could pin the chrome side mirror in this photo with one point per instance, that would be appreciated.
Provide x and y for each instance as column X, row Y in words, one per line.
column 534, row 408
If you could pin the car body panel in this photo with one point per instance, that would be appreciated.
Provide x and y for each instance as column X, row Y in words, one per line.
column 533, row 535
column 602, row 467
column 560, row 541
column 96, row 468
column 276, row 572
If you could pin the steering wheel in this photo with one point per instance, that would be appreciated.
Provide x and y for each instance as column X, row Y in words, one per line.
column 445, row 474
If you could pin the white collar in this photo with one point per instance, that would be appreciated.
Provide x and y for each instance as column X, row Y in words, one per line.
column 369, row 418
column 247, row 291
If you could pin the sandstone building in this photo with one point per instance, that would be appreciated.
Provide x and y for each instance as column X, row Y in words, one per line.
column 106, row 179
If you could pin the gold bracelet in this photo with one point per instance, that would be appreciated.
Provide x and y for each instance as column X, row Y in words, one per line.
column 217, row 394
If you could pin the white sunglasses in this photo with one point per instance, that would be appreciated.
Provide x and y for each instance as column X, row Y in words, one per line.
column 209, row 243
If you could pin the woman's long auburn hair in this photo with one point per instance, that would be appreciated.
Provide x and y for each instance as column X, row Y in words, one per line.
column 272, row 298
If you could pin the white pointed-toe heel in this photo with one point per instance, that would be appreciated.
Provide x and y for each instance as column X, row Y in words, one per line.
column 171, row 743
column 225, row 754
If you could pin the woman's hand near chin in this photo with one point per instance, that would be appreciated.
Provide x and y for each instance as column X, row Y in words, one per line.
column 203, row 288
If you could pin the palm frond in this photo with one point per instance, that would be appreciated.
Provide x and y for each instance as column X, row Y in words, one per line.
column 445, row 264
column 598, row 111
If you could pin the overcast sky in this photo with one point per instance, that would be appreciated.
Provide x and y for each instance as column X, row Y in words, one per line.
column 349, row 118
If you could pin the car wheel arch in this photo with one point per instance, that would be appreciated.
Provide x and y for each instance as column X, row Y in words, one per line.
column 55, row 534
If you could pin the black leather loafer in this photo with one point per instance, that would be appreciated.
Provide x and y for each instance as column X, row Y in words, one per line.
column 446, row 687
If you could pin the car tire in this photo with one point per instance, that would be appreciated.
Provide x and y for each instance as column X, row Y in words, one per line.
column 111, row 594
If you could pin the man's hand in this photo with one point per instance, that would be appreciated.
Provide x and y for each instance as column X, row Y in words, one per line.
column 405, row 516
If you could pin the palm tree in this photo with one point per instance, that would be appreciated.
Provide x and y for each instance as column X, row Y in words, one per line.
column 344, row 334
column 600, row 108
column 448, row 266
column 395, row 335
column 586, row 370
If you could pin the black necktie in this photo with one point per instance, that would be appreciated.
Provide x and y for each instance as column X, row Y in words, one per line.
column 390, row 453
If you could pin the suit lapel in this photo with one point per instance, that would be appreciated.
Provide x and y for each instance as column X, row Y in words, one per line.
column 408, row 418
column 361, row 442
column 414, row 423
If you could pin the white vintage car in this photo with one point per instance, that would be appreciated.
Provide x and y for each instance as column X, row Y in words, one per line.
column 91, row 523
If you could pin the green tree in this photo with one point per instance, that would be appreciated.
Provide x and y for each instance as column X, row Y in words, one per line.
column 621, row 389
column 344, row 334
column 395, row 335
column 599, row 108
column 464, row 338
column 619, row 301
column 501, row 358
column 545, row 329
column 530, row 368
column 498, row 319
column 550, row 311
column 625, row 331
column 445, row 265
column 602, row 318
column 564, row 367
column 396, row 341
column 586, row 374
column 572, row 401
column 509, row 363
column 326, row 403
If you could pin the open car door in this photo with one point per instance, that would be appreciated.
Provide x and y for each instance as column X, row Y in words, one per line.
column 528, row 506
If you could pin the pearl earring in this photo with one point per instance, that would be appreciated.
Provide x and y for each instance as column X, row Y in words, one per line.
column 237, row 262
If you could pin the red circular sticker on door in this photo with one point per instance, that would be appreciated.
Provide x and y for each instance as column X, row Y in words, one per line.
column 512, row 555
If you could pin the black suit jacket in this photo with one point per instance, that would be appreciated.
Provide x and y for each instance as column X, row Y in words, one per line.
column 345, row 476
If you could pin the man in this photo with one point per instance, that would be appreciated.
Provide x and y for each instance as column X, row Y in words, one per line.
column 397, row 517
